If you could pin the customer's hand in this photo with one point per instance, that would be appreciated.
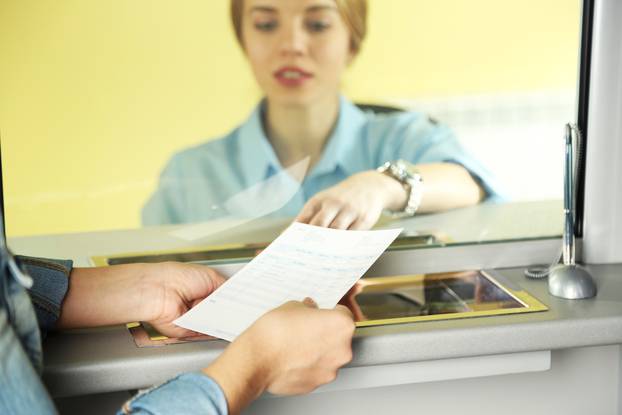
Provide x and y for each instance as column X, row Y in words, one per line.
column 176, row 288
column 349, row 301
column 305, row 346
column 355, row 203
column 156, row 293
column 292, row 349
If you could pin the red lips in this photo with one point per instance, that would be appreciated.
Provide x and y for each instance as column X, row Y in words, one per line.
column 292, row 76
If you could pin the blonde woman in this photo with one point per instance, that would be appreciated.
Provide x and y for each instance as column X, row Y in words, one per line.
column 360, row 164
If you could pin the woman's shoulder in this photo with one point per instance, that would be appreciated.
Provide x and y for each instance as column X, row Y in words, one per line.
column 214, row 149
column 396, row 117
column 401, row 124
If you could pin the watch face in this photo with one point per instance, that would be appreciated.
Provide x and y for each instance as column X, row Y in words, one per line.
column 396, row 172
column 385, row 167
column 409, row 169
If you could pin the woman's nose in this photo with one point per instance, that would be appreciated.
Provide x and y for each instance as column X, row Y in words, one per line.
column 293, row 41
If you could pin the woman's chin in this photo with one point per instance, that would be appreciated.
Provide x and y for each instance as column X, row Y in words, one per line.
column 295, row 99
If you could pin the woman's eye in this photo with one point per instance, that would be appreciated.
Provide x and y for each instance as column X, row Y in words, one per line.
column 266, row 26
column 317, row 25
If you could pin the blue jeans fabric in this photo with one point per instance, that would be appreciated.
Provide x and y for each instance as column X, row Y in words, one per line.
column 190, row 393
column 51, row 282
column 21, row 390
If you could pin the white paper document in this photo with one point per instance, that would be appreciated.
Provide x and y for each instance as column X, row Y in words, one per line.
column 304, row 261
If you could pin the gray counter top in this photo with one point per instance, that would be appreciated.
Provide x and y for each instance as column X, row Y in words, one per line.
column 102, row 360
column 91, row 361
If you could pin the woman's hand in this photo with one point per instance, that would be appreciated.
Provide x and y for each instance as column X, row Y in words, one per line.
column 355, row 203
column 358, row 201
column 156, row 293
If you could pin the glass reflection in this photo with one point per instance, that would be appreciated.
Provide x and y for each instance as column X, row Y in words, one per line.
column 427, row 295
column 112, row 104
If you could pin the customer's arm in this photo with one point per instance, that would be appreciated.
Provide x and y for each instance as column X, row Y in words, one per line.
column 156, row 293
column 67, row 297
column 290, row 350
column 280, row 353
column 50, row 284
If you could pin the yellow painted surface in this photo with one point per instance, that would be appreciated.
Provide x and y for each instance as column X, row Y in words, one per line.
column 96, row 95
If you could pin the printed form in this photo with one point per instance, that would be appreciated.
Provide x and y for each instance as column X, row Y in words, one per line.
column 304, row 261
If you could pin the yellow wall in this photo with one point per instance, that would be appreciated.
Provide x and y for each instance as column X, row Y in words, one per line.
column 96, row 95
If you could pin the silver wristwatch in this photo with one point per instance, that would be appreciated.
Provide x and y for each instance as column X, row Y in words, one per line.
column 410, row 179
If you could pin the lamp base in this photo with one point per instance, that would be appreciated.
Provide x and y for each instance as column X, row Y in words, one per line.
column 572, row 282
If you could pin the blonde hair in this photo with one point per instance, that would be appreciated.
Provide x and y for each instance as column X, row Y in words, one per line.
column 353, row 13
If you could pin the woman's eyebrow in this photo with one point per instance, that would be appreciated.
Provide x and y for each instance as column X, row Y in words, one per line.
column 320, row 7
column 265, row 9
column 310, row 9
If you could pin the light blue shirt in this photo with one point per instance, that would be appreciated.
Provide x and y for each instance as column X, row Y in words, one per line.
column 225, row 177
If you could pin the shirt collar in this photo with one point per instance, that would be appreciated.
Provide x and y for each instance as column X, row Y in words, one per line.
column 260, row 161
column 338, row 149
column 257, row 156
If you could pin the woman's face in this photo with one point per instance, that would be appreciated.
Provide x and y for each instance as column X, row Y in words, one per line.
column 298, row 49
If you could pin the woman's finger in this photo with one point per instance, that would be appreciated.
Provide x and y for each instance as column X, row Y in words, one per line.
column 344, row 219
column 324, row 217
column 308, row 211
column 363, row 223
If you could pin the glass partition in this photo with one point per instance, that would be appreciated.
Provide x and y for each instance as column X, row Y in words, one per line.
column 148, row 115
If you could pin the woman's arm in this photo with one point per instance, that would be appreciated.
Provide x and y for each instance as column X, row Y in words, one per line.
column 358, row 201
column 447, row 186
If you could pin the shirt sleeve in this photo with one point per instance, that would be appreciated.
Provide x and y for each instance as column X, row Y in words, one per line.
column 190, row 393
column 165, row 206
column 50, row 285
column 416, row 138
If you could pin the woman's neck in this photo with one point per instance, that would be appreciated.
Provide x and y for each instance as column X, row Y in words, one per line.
column 301, row 131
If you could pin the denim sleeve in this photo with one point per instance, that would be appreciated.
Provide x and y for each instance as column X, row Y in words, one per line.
column 51, row 282
column 190, row 393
